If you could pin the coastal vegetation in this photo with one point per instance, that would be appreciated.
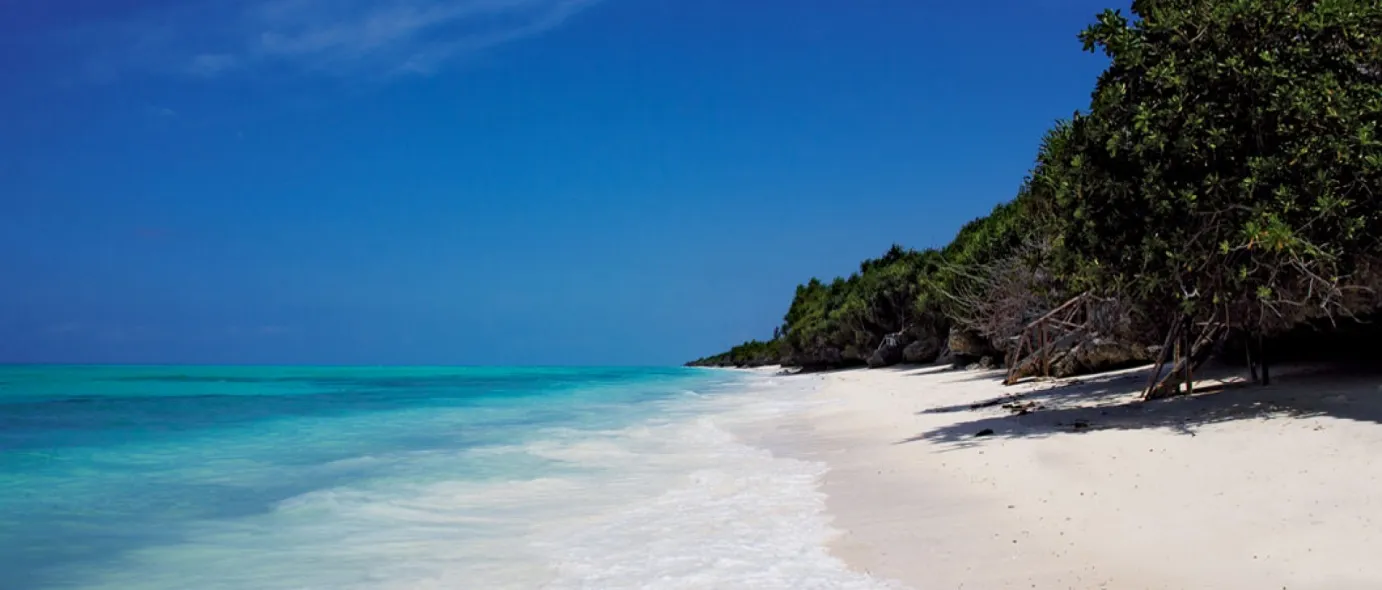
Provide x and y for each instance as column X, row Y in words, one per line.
column 754, row 353
column 1219, row 193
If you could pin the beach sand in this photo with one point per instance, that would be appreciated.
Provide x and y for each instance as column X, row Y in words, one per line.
column 1252, row 487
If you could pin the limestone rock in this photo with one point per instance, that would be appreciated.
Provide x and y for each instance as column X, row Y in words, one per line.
column 923, row 350
column 889, row 352
column 970, row 346
column 1099, row 355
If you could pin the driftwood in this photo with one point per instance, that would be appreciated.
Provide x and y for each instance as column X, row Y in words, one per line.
column 1188, row 354
column 1057, row 329
column 1042, row 355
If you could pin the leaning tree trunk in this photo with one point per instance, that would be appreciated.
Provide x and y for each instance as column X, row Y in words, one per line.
column 1196, row 351
column 1166, row 351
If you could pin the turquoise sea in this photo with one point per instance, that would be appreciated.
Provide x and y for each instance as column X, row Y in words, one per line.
column 339, row 478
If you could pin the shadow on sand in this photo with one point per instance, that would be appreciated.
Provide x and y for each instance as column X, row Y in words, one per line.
column 1112, row 402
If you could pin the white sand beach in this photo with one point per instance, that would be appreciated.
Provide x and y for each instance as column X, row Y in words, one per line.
column 1251, row 487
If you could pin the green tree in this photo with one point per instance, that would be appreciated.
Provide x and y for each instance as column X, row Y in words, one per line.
column 1226, row 174
column 1228, row 167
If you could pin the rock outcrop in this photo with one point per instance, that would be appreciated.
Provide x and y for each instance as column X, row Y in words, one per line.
column 890, row 351
column 923, row 350
column 1080, row 354
column 913, row 345
column 823, row 357
column 1098, row 355
column 969, row 347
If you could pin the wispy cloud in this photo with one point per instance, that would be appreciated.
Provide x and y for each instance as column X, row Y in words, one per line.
column 339, row 37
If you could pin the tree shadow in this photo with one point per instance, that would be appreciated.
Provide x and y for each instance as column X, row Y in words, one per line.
column 1113, row 402
column 1055, row 393
column 965, row 374
column 917, row 370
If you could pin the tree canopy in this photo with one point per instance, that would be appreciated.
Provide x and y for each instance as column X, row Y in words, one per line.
column 1225, row 171
column 1229, row 158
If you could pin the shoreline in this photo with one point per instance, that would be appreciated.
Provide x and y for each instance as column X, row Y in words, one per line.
column 1247, row 488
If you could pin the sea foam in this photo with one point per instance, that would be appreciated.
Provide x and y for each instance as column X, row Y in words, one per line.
column 665, row 497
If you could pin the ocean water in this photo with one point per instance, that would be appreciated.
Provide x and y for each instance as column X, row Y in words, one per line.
column 165, row 478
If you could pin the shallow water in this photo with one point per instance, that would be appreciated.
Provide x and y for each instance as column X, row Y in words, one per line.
column 298, row 477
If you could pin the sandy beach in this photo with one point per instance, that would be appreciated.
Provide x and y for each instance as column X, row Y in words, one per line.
column 1251, row 487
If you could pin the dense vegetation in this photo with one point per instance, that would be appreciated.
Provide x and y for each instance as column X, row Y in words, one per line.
column 754, row 353
column 1222, row 181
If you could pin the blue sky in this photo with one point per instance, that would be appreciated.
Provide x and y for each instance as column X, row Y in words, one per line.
column 490, row 181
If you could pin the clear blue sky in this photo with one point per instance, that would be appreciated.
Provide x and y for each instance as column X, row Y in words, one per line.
column 491, row 181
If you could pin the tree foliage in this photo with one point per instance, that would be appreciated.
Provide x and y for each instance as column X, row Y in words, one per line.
column 754, row 353
column 841, row 323
column 1226, row 170
column 1228, row 163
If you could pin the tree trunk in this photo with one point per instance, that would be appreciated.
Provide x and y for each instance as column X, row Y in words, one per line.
column 1196, row 351
column 1166, row 347
column 1252, row 363
column 1190, row 364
